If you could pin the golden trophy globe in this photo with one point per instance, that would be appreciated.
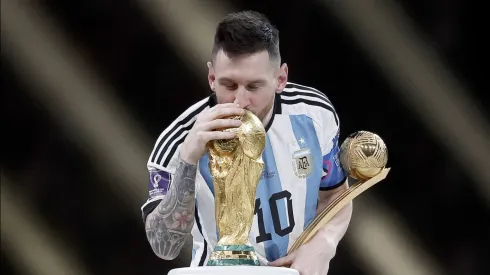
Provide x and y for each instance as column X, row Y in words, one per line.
column 364, row 156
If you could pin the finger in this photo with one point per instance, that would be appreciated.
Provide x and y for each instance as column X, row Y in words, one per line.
column 219, row 124
column 214, row 135
column 226, row 105
column 216, row 113
column 225, row 112
column 284, row 261
column 223, row 105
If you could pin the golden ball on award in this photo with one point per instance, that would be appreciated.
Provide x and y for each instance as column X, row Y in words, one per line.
column 363, row 155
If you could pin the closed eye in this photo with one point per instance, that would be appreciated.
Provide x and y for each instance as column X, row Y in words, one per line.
column 253, row 87
column 231, row 87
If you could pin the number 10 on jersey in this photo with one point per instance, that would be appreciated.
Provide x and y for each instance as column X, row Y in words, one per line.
column 274, row 213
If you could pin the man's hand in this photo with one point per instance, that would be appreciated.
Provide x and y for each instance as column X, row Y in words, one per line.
column 311, row 258
column 204, row 130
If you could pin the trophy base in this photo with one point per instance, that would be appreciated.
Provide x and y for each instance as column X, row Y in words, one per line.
column 235, row 270
column 233, row 255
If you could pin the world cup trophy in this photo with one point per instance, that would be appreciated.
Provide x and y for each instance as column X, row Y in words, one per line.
column 236, row 166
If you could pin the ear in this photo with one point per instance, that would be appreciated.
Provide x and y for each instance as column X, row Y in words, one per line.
column 282, row 78
column 211, row 75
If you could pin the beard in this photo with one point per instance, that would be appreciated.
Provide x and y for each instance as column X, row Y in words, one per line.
column 263, row 113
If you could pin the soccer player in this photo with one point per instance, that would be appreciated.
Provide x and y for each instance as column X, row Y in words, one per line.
column 302, row 172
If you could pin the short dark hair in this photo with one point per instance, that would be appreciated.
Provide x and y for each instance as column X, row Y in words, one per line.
column 246, row 32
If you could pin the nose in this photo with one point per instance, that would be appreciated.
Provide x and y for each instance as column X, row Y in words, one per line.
column 242, row 98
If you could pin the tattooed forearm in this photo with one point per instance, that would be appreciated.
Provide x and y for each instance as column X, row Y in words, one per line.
column 172, row 220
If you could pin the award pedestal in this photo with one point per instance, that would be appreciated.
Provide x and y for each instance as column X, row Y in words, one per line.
column 234, row 270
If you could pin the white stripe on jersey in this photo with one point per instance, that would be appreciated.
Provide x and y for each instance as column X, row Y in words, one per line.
column 291, row 87
column 176, row 142
column 281, row 133
column 173, row 141
column 197, row 244
column 259, row 248
column 290, row 96
column 206, row 207
column 287, row 98
column 302, row 86
column 158, row 198
column 169, row 133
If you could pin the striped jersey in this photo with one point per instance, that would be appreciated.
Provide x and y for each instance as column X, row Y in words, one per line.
column 300, row 160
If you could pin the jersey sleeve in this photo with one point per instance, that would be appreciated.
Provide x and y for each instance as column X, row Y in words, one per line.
column 158, row 184
column 163, row 159
column 333, row 173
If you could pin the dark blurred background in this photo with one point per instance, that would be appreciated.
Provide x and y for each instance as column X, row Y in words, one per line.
column 77, row 131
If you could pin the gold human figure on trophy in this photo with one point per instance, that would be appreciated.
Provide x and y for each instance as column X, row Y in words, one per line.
column 236, row 166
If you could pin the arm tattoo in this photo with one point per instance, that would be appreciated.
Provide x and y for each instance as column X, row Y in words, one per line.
column 172, row 220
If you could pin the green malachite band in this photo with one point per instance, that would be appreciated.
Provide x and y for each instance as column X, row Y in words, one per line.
column 234, row 248
column 230, row 262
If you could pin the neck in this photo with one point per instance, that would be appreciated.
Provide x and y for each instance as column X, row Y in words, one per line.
column 267, row 118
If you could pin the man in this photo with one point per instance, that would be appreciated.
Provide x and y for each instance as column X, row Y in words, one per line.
column 302, row 173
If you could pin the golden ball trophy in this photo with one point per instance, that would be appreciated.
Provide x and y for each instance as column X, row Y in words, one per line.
column 364, row 156
column 236, row 166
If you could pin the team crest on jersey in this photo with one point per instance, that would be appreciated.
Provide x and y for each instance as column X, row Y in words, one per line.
column 303, row 163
